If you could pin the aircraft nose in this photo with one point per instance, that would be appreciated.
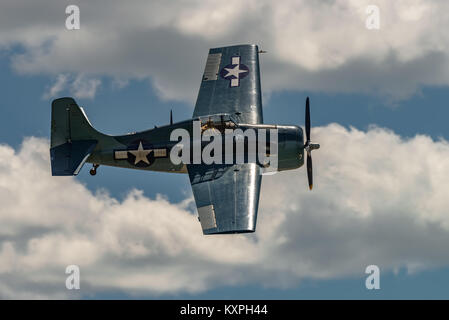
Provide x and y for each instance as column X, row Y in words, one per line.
column 314, row 146
column 300, row 137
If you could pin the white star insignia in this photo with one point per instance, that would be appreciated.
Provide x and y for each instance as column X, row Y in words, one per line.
column 234, row 71
column 140, row 154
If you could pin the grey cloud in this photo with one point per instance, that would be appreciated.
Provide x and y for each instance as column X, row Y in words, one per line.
column 312, row 46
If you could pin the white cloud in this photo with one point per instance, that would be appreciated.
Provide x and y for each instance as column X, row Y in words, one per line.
column 57, row 87
column 378, row 199
column 84, row 87
column 79, row 86
column 319, row 46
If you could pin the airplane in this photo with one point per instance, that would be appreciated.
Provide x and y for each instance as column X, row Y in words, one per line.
column 226, row 195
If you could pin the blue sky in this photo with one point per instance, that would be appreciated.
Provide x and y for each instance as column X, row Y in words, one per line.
column 133, row 85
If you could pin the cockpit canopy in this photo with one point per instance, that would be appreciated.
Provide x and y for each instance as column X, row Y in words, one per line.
column 220, row 121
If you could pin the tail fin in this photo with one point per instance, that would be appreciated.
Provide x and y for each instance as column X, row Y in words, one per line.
column 72, row 137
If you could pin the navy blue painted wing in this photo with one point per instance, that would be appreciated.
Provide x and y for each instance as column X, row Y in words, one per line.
column 227, row 196
column 231, row 84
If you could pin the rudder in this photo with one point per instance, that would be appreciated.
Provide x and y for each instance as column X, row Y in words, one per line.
column 72, row 137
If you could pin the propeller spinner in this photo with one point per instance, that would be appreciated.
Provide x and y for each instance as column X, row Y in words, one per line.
column 309, row 146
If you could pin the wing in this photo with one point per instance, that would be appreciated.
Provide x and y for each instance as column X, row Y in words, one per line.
column 231, row 84
column 227, row 196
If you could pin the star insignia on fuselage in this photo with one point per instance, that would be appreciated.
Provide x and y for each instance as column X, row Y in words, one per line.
column 141, row 154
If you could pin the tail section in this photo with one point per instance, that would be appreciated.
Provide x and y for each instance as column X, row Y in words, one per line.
column 72, row 137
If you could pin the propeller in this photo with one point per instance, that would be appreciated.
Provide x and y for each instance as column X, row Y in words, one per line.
column 309, row 146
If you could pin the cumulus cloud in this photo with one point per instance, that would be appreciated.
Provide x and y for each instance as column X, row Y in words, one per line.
column 80, row 86
column 57, row 87
column 318, row 46
column 378, row 199
column 84, row 87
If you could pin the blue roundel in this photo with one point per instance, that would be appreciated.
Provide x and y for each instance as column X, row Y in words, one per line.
column 234, row 72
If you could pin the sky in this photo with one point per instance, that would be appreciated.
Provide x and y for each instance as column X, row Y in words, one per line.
column 379, row 109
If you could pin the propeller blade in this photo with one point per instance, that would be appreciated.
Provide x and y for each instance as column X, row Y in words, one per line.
column 171, row 117
column 308, row 119
column 309, row 170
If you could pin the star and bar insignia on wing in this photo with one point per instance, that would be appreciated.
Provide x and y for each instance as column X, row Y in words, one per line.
column 234, row 72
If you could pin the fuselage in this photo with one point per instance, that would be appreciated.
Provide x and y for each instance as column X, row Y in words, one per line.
column 152, row 149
